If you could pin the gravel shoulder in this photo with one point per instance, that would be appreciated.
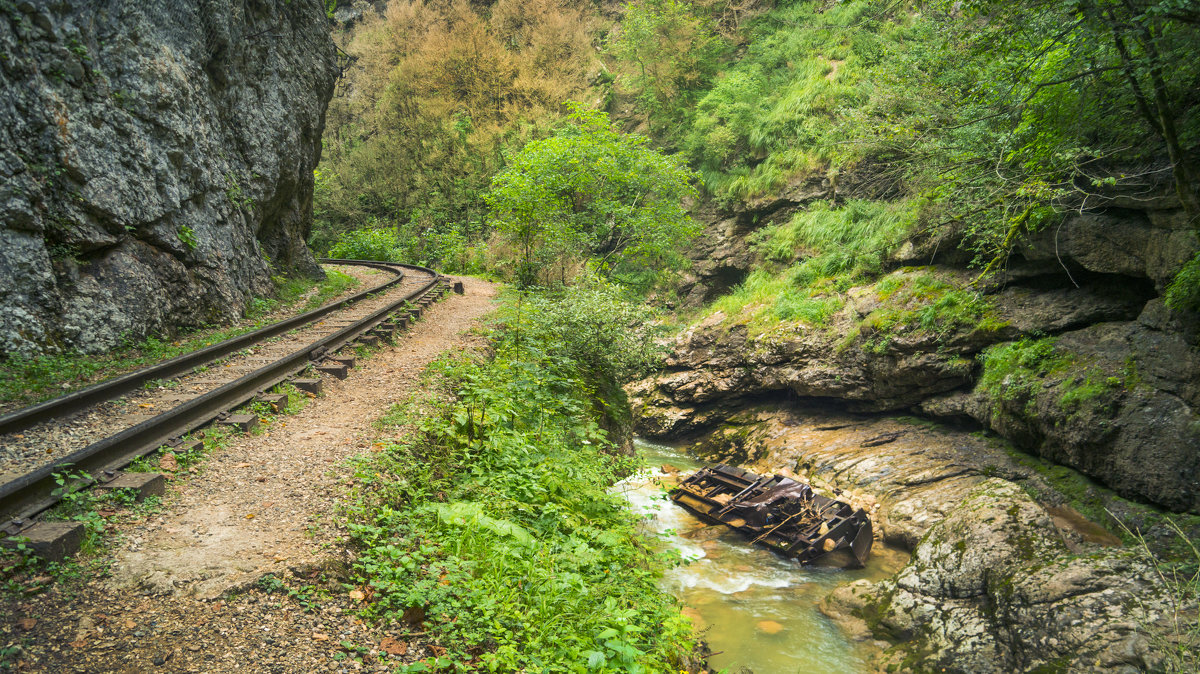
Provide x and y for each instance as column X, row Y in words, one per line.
column 184, row 591
column 49, row 442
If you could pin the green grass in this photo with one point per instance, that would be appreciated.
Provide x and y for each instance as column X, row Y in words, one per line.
column 764, row 301
column 781, row 110
column 24, row 381
column 811, row 260
column 852, row 239
column 485, row 519
column 921, row 302
column 1183, row 294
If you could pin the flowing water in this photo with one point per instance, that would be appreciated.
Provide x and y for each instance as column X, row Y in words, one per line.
column 758, row 609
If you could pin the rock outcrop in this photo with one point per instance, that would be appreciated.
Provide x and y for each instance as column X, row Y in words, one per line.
column 993, row 588
column 997, row 581
column 155, row 162
column 1114, row 393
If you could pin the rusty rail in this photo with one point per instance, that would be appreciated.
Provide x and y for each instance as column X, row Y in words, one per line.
column 25, row 497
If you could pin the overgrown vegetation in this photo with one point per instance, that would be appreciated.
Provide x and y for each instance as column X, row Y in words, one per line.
column 1184, row 292
column 1000, row 115
column 812, row 259
column 24, row 381
column 591, row 195
column 984, row 120
column 485, row 516
column 920, row 302
column 438, row 94
column 1016, row 372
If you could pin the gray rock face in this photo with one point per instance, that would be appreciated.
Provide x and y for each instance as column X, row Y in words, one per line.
column 993, row 588
column 153, row 156
column 996, row 581
column 1145, row 243
column 1125, row 412
column 719, row 361
column 1125, row 409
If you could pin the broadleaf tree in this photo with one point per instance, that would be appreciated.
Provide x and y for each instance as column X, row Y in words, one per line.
column 591, row 195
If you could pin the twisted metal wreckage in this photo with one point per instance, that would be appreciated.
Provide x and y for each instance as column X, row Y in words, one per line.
column 780, row 513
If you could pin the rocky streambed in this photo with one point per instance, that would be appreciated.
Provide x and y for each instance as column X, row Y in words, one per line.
column 998, row 580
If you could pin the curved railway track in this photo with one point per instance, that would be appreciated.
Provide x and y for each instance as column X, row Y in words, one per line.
column 96, row 431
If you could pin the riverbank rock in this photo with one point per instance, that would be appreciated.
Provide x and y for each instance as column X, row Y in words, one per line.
column 993, row 588
column 996, row 581
column 156, row 163
column 1117, row 399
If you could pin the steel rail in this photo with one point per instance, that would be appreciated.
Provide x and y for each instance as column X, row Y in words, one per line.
column 61, row 406
column 25, row 497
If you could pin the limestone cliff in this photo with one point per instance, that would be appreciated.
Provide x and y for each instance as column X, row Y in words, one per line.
column 156, row 162
column 998, row 580
column 1070, row 353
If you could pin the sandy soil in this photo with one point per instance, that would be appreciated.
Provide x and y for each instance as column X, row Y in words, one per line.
column 183, row 590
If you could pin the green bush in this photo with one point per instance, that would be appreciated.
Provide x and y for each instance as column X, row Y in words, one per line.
column 591, row 195
column 1184, row 292
column 492, row 521
column 368, row 244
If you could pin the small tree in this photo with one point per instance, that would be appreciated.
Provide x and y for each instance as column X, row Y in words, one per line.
column 594, row 195
column 671, row 53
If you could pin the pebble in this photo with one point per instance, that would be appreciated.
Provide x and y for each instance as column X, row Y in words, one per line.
column 769, row 627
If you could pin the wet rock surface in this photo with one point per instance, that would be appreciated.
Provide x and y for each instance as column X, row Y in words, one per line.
column 155, row 163
column 993, row 588
column 997, row 581
column 1122, row 408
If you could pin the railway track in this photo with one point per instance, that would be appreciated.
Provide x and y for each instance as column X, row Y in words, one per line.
column 95, row 432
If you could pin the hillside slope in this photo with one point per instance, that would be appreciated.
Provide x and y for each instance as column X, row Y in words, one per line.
column 914, row 211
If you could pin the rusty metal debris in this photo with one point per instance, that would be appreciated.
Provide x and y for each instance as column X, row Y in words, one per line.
column 780, row 513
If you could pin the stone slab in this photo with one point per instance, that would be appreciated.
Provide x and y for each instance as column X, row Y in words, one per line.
column 52, row 541
column 277, row 401
column 145, row 484
column 308, row 385
column 335, row 369
column 243, row 422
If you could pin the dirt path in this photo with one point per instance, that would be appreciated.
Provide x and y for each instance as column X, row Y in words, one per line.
column 184, row 592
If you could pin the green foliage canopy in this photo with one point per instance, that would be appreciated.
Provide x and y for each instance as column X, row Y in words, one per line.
column 491, row 510
column 591, row 194
column 672, row 49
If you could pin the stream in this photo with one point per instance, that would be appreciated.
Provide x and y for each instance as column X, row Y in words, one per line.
column 757, row 610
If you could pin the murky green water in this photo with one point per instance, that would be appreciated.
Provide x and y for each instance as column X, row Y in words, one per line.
column 758, row 609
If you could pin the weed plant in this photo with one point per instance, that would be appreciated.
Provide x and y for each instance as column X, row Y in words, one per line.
column 1176, row 636
column 488, row 520
column 812, row 259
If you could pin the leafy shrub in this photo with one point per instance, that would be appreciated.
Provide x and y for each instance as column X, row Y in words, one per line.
column 670, row 52
column 1184, row 292
column 490, row 520
column 593, row 323
column 591, row 193
column 367, row 244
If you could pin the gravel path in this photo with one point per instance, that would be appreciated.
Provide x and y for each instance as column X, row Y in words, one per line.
column 183, row 593
column 47, row 442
